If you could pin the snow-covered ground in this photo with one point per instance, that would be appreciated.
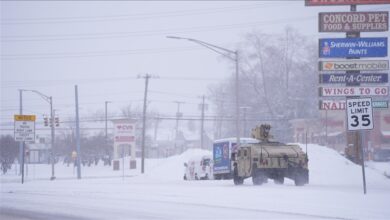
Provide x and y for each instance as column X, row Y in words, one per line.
column 335, row 191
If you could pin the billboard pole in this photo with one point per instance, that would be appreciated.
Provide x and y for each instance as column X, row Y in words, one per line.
column 359, row 134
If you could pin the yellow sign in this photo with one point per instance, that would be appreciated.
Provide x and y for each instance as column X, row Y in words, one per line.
column 24, row 117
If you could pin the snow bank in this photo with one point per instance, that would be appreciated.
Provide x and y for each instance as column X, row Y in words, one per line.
column 328, row 167
column 334, row 192
column 172, row 168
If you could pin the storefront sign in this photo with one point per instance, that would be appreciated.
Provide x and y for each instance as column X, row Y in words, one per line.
column 348, row 65
column 124, row 132
column 380, row 104
column 353, row 21
column 353, row 47
column 354, row 78
column 354, row 91
column 332, row 105
column 344, row 2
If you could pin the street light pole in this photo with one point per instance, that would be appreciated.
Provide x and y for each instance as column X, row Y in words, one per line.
column 202, row 124
column 178, row 115
column 225, row 52
column 21, row 148
column 48, row 99
column 52, row 138
column 245, row 108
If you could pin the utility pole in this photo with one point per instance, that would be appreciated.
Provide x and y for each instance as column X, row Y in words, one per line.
column 105, row 104
column 146, row 77
column 77, row 134
column 178, row 115
column 221, row 114
column 202, row 124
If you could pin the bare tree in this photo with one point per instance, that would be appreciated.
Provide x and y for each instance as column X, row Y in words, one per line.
column 277, row 79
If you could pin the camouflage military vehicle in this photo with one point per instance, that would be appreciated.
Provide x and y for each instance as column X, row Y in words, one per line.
column 270, row 159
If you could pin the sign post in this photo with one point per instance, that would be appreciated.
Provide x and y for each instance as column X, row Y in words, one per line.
column 24, row 130
column 359, row 117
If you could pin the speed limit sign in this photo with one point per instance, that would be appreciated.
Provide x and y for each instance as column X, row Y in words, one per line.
column 359, row 114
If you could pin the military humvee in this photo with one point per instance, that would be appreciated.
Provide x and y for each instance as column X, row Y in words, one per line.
column 270, row 159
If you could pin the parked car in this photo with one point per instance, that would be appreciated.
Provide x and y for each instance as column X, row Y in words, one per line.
column 199, row 168
column 381, row 154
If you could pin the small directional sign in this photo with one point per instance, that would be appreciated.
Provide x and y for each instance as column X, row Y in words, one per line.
column 359, row 114
column 24, row 129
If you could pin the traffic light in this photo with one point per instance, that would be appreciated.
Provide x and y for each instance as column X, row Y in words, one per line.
column 57, row 121
column 46, row 121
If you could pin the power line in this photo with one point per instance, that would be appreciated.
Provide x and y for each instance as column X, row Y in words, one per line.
column 132, row 17
column 54, row 37
column 93, row 53
column 103, row 35
column 22, row 83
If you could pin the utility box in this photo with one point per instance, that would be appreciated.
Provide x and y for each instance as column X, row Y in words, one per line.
column 116, row 165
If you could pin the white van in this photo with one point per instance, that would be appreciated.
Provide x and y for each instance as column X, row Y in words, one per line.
column 199, row 168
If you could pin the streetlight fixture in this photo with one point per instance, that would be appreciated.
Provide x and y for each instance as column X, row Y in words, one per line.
column 230, row 54
column 48, row 99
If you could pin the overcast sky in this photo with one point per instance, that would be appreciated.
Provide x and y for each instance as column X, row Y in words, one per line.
column 103, row 46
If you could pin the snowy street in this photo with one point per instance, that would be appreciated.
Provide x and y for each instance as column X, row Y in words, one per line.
column 194, row 110
column 334, row 192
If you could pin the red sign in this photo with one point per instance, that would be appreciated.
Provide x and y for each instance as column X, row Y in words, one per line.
column 124, row 132
column 332, row 104
column 344, row 2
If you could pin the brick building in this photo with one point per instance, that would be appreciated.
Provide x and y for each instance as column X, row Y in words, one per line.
column 331, row 130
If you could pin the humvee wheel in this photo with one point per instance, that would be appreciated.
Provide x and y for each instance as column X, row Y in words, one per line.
column 236, row 179
column 258, row 177
column 301, row 178
column 298, row 180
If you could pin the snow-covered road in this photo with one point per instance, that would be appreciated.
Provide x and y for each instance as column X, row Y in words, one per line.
column 335, row 192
